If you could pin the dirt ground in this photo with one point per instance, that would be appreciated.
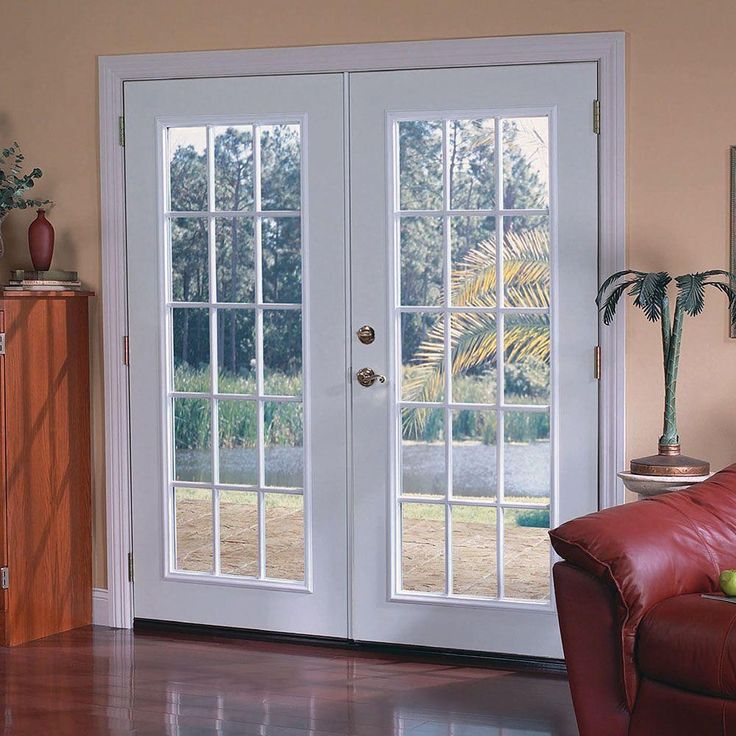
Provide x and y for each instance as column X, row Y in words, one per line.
column 526, row 549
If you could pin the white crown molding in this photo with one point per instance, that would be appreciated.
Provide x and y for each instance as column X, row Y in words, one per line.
column 607, row 49
column 369, row 56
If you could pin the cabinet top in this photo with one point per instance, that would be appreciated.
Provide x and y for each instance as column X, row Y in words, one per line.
column 38, row 294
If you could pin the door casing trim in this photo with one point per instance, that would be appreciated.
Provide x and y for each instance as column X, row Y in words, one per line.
column 606, row 49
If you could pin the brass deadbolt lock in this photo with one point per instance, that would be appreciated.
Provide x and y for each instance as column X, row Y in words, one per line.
column 366, row 334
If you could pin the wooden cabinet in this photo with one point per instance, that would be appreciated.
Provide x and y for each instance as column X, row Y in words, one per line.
column 45, row 521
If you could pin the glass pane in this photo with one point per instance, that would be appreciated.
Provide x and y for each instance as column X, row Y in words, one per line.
column 284, row 444
column 525, row 163
column 423, row 467
column 474, row 571
column 473, row 341
column 282, row 260
column 420, row 165
column 473, row 242
column 423, row 547
column 189, row 260
column 236, row 351
column 422, row 357
column 282, row 352
column 471, row 145
column 194, row 536
column 526, row 556
column 192, row 440
column 233, row 168
column 280, row 167
column 238, row 533
column 285, row 536
column 422, row 261
column 238, row 429
column 188, row 169
column 474, row 454
column 191, row 333
column 527, row 457
column 526, row 359
column 526, row 269
column 235, row 255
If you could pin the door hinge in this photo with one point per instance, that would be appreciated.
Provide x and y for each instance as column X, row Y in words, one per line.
column 121, row 131
column 126, row 350
column 597, row 117
column 130, row 567
column 2, row 343
column 597, row 362
column 4, row 578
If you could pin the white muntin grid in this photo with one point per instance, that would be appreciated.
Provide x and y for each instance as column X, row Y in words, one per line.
column 256, row 215
column 444, row 312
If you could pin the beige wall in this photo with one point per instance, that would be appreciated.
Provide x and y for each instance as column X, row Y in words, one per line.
column 681, row 112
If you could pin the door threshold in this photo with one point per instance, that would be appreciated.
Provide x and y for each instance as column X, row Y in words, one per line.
column 435, row 655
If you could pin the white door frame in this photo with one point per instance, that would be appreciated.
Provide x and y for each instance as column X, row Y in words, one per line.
column 607, row 49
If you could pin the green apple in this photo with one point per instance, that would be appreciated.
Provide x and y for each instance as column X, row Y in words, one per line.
column 728, row 582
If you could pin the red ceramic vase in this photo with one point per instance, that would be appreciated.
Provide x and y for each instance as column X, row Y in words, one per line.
column 41, row 242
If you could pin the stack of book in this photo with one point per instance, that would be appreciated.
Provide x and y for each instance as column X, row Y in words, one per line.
column 43, row 281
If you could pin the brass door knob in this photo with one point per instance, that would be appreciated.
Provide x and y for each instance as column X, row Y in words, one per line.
column 367, row 377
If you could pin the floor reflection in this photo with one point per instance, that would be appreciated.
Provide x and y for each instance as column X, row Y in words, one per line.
column 106, row 681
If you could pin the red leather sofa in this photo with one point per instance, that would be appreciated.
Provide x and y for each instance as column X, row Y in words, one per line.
column 646, row 654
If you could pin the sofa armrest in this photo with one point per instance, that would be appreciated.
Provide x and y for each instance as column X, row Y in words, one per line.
column 591, row 639
column 655, row 549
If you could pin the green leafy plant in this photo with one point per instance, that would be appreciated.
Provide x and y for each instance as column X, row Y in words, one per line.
column 537, row 518
column 14, row 183
column 473, row 335
column 650, row 292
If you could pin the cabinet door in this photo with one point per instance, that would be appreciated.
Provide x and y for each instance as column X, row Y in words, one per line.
column 49, row 549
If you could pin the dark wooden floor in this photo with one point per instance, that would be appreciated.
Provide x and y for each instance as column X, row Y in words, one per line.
column 103, row 681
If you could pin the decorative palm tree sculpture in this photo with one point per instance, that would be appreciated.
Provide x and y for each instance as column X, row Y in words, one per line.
column 650, row 292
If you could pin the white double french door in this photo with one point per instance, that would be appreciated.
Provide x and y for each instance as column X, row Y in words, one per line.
column 453, row 215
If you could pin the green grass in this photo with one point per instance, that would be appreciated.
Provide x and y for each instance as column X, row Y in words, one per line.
column 538, row 518
column 198, row 381
column 427, row 425
column 238, row 419
column 410, row 511
column 292, row 501
column 284, row 423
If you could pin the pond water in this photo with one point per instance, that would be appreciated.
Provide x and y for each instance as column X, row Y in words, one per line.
column 526, row 468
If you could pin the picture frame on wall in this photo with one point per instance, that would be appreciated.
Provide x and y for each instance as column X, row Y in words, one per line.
column 732, row 259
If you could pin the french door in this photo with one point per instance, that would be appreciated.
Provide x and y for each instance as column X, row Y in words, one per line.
column 380, row 462
column 237, row 320
column 480, row 187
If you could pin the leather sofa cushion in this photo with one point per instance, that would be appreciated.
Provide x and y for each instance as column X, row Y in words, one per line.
column 690, row 642
column 655, row 549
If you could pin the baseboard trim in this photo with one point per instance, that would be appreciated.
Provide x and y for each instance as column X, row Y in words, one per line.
column 493, row 660
column 100, row 607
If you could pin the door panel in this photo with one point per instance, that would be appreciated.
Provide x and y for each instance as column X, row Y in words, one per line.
column 238, row 358
column 474, row 256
